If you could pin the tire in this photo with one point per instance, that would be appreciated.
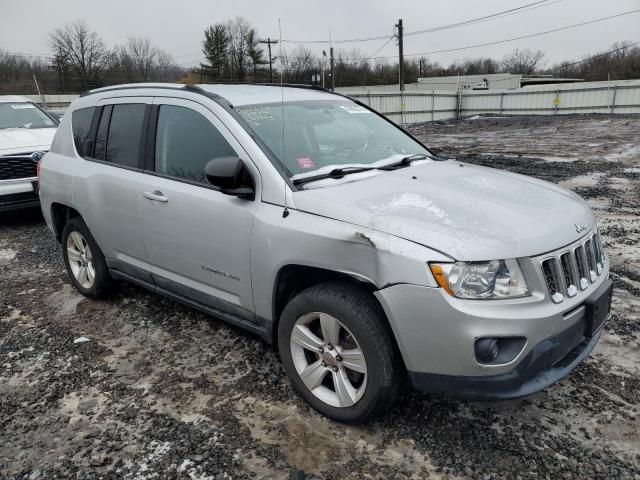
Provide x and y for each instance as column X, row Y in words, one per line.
column 374, row 376
column 96, row 281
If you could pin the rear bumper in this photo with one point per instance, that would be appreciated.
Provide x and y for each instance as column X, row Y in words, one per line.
column 17, row 194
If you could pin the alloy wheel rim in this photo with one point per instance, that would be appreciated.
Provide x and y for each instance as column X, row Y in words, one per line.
column 80, row 260
column 328, row 359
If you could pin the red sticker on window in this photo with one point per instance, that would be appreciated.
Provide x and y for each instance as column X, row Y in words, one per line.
column 305, row 162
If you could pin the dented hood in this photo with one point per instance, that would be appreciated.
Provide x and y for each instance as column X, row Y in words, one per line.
column 465, row 211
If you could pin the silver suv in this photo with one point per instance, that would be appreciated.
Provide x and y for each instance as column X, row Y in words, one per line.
column 322, row 227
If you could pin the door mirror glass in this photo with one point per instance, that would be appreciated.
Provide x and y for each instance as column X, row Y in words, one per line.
column 230, row 176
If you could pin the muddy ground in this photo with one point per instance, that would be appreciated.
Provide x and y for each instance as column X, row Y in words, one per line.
column 162, row 391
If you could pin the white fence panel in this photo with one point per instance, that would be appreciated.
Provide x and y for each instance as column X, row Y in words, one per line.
column 627, row 99
column 553, row 100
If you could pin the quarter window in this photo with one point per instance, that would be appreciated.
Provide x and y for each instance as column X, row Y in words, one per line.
column 125, row 134
column 81, row 126
column 185, row 142
column 101, row 135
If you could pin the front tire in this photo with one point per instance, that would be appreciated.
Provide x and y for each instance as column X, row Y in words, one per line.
column 84, row 260
column 338, row 353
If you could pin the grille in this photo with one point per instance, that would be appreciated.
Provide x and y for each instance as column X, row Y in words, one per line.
column 14, row 167
column 569, row 271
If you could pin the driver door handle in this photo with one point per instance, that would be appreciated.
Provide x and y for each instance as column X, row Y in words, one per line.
column 156, row 195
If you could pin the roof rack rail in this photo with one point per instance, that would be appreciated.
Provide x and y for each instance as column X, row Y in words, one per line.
column 128, row 86
column 198, row 89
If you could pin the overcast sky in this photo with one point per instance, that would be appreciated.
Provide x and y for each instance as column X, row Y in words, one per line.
column 177, row 26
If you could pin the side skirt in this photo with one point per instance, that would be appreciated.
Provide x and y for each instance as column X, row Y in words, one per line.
column 262, row 330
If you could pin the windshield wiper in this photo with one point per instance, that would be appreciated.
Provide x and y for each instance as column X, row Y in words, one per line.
column 406, row 161
column 336, row 173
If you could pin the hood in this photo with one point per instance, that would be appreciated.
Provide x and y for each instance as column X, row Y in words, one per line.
column 465, row 211
column 25, row 140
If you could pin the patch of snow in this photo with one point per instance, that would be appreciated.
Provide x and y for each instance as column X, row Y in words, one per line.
column 6, row 255
column 185, row 465
column 629, row 151
column 547, row 158
column 81, row 340
column 411, row 201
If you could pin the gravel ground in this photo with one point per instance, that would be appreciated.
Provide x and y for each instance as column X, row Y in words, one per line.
column 162, row 391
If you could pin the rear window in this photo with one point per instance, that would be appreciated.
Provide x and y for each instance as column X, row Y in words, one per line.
column 125, row 134
column 81, row 126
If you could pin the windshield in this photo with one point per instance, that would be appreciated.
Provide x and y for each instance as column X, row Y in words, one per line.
column 23, row 115
column 325, row 133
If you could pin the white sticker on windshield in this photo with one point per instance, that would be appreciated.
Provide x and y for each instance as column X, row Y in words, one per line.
column 354, row 109
column 21, row 106
column 255, row 115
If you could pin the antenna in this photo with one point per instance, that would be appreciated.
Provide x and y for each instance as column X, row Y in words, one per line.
column 285, row 212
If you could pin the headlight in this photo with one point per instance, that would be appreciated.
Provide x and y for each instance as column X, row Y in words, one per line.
column 479, row 280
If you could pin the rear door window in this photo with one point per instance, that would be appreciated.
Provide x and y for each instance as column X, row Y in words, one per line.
column 124, row 140
column 81, row 126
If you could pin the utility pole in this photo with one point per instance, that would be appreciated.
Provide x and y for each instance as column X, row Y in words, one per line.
column 400, row 54
column 270, row 42
column 333, row 77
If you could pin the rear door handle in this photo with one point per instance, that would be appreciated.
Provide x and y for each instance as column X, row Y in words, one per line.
column 156, row 195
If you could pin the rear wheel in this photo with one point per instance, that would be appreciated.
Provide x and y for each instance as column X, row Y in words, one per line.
column 84, row 260
column 336, row 350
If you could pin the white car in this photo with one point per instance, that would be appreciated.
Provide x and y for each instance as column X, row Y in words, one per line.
column 26, row 133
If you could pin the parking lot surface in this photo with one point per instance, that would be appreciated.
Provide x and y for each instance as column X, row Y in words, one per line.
column 162, row 391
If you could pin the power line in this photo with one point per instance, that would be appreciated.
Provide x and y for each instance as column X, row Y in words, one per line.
column 473, row 21
column 565, row 65
column 442, row 27
column 516, row 38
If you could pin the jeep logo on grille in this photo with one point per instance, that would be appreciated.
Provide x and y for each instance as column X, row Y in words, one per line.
column 580, row 226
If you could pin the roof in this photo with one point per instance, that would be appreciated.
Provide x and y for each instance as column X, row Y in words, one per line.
column 253, row 94
column 236, row 94
column 13, row 99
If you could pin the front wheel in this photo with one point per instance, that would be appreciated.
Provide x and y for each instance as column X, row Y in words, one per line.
column 336, row 349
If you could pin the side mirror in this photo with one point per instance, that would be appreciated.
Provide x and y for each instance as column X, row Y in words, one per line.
column 230, row 176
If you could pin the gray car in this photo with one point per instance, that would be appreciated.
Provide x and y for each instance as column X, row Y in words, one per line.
column 322, row 227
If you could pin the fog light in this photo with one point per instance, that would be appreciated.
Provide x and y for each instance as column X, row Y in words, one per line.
column 498, row 350
column 487, row 350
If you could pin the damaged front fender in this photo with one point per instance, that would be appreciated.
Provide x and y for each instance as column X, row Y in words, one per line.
column 310, row 240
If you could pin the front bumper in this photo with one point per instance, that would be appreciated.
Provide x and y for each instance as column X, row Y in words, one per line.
column 436, row 336
column 17, row 194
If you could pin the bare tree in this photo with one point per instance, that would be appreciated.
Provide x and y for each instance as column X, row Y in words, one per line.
column 166, row 68
column 84, row 51
column 299, row 65
column 238, row 29
column 524, row 61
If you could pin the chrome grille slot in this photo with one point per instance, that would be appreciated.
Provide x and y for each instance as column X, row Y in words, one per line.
column 550, row 271
column 597, row 246
column 569, row 274
column 581, row 262
column 591, row 260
